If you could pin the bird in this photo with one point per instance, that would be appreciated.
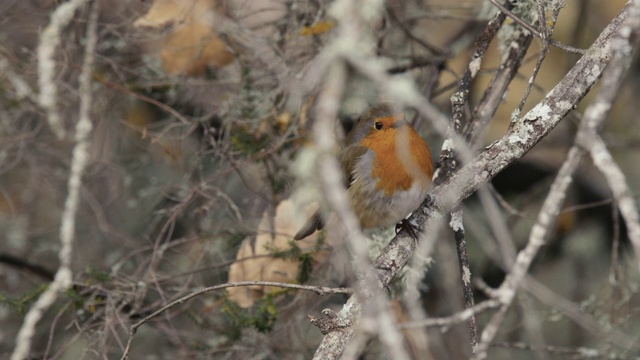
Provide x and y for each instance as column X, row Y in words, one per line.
column 388, row 168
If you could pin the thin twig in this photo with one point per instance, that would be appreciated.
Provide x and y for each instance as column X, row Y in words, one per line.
column 494, row 94
column 432, row 48
column 614, row 267
column 164, row 107
column 457, row 227
column 19, row 84
column 52, row 329
column 545, row 34
column 535, row 32
column 623, row 48
column 579, row 352
column 577, row 314
column 460, row 97
column 454, row 319
column 320, row 290
column 621, row 192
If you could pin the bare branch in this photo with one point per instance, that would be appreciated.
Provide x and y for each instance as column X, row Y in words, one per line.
column 535, row 32
column 578, row 353
column 456, row 318
column 577, row 315
column 470, row 129
column 377, row 313
column 64, row 276
column 536, row 124
column 621, row 192
column 49, row 42
column 20, row 85
column 320, row 290
column 595, row 114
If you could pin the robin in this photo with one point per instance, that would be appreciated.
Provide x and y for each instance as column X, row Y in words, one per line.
column 388, row 167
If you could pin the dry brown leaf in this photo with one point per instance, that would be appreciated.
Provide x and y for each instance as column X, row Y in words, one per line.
column 192, row 45
column 170, row 12
column 139, row 115
column 190, row 49
column 255, row 262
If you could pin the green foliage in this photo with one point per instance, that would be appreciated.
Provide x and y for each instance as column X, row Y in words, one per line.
column 267, row 314
column 305, row 260
column 76, row 298
column 305, row 266
column 100, row 276
column 236, row 317
column 232, row 240
column 261, row 316
column 293, row 253
column 21, row 304
column 246, row 140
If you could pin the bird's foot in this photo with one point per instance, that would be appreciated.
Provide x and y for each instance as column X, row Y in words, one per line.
column 406, row 225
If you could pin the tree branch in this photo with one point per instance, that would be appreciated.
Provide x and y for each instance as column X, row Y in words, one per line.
column 320, row 290
column 49, row 42
column 595, row 115
column 521, row 137
column 80, row 158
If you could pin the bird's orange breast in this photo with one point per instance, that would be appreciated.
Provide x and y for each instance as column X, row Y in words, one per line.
column 392, row 172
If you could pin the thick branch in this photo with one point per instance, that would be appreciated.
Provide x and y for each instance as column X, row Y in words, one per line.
column 525, row 134
column 594, row 116
column 79, row 161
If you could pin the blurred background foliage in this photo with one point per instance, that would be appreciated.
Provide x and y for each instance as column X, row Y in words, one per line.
column 190, row 181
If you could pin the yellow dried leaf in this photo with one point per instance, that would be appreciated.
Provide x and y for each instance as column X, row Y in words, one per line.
column 169, row 12
column 319, row 28
column 191, row 48
column 284, row 120
column 192, row 45
column 239, row 271
column 257, row 265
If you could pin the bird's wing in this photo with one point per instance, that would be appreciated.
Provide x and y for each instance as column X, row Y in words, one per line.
column 348, row 159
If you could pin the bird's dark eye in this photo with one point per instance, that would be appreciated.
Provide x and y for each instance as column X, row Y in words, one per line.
column 378, row 125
